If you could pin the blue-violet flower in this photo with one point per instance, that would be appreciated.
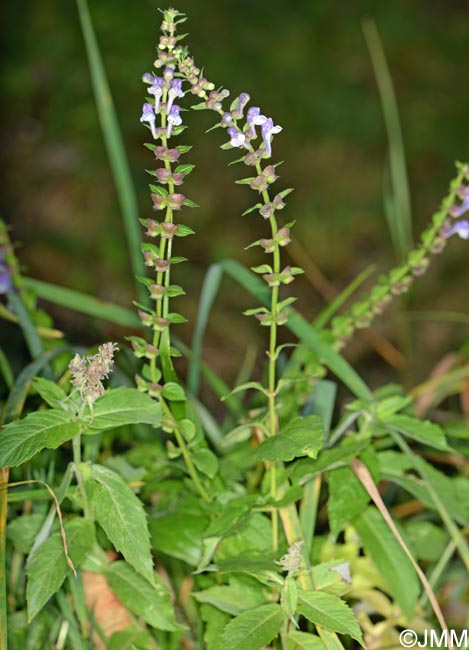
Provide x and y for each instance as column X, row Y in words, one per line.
column 174, row 91
column 254, row 118
column 148, row 116
column 237, row 139
column 156, row 89
column 174, row 119
column 460, row 228
column 268, row 130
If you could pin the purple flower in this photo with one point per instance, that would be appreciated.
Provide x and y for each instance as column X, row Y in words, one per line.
column 149, row 116
column 5, row 279
column 174, row 91
column 237, row 139
column 239, row 105
column 174, row 119
column 254, row 118
column 460, row 228
column 148, row 78
column 268, row 130
column 156, row 89
column 458, row 210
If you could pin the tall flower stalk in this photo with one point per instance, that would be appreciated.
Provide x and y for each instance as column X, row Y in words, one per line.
column 162, row 115
column 253, row 133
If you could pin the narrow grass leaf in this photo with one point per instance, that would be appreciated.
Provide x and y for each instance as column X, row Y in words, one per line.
column 114, row 145
column 83, row 303
column 208, row 294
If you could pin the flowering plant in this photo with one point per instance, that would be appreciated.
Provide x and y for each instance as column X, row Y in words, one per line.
column 266, row 529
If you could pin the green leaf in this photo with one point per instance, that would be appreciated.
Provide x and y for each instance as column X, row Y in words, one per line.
column 129, row 639
column 23, row 439
column 247, row 563
column 327, row 459
column 205, row 461
column 113, row 141
column 232, row 599
column 428, row 540
column 174, row 392
column 50, row 392
column 149, row 601
column 215, row 621
column 48, row 566
column 421, row 430
column 121, row 406
column 208, row 294
column 347, row 498
column 27, row 325
column 179, row 533
column 330, row 612
column 121, row 515
column 253, row 629
column 390, row 559
column 301, row 437
column 85, row 304
column 302, row 641
column 22, row 531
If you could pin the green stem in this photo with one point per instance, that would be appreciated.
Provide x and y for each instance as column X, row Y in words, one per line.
column 76, row 445
column 4, row 474
column 185, row 453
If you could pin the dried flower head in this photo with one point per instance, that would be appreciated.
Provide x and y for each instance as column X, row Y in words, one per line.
column 291, row 561
column 88, row 372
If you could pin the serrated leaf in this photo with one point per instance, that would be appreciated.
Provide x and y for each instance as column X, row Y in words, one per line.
column 48, row 566
column 390, row 559
column 423, row 431
column 301, row 437
column 121, row 515
column 330, row 612
column 149, row 601
column 49, row 391
column 327, row 459
column 253, row 629
column 174, row 392
column 121, row 406
column 23, row 439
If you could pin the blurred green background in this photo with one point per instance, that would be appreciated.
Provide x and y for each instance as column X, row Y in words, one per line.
column 307, row 65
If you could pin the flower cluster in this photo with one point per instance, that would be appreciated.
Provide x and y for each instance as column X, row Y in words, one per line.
column 88, row 372
column 399, row 280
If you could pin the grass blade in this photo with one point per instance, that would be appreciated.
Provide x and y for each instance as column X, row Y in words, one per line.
column 114, row 145
column 399, row 211
column 208, row 294
column 83, row 303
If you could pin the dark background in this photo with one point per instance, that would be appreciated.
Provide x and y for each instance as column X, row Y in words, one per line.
column 306, row 64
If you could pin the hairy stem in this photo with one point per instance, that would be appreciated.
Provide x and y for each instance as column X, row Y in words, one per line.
column 76, row 444
column 4, row 474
